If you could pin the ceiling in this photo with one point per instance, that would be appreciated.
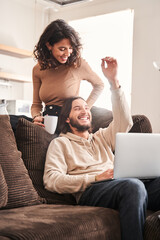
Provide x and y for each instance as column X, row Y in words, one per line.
column 65, row 2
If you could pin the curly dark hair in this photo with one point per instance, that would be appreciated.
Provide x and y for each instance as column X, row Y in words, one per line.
column 53, row 33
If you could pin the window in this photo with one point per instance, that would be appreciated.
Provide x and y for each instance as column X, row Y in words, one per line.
column 107, row 35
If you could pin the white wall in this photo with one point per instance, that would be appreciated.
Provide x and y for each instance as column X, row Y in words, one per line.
column 146, row 48
column 23, row 23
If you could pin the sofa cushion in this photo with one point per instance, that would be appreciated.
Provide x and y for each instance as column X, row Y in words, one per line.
column 33, row 141
column 60, row 222
column 14, row 120
column 3, row 189
column 20, row 189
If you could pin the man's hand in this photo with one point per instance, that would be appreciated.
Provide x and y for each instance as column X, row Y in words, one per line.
column 110, row 71
column 105, row 175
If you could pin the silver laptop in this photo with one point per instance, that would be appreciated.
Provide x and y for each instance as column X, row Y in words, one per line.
column 137, row 155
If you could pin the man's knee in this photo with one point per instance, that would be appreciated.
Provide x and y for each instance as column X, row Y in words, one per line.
column 135, row 188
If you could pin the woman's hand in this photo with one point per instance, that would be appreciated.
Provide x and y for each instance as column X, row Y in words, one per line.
column 110, row 71
column 39, row 121
column 105, row 175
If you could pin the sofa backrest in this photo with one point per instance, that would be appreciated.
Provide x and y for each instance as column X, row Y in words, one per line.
column 102, row 117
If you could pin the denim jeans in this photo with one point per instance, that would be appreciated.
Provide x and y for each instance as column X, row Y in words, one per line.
column 130, row 196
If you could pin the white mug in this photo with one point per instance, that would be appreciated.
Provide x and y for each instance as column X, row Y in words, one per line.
column 50, row 123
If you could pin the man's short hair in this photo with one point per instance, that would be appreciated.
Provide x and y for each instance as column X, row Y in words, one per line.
column 65, row 111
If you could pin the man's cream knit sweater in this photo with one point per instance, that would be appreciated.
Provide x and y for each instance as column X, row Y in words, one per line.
column 73, row 162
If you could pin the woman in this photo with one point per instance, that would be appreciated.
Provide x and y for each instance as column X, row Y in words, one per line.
column 59, row 71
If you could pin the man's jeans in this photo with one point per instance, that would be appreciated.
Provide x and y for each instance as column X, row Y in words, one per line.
column 130, row 196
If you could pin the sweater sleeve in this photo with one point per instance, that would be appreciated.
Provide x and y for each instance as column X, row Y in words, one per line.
column 122, row 119
column 56, row 177
column 89, row 75
column 36, row 107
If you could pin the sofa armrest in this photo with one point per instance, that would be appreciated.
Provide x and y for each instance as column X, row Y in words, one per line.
column 141, row 124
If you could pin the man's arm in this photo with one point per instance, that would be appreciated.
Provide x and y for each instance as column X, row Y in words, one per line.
column 56, row 177
column 122, row 120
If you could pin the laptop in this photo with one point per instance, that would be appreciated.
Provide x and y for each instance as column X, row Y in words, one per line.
column 137, row 155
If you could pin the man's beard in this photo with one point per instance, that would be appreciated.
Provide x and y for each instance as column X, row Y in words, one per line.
column 80, row 128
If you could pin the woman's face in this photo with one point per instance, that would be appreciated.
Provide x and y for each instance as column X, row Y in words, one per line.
column 61, row 50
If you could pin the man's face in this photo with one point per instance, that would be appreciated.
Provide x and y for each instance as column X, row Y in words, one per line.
column 80, row 116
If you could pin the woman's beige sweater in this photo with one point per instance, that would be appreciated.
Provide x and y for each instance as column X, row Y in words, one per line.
column 53, row 86
column 73, row 162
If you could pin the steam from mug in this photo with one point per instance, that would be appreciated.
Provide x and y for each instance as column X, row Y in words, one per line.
column 50, row 123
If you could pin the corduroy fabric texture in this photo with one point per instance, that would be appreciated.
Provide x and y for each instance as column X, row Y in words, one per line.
column 59, row 222
column 152, row 227
column 141, row 124
column 33, row 141
column 102, row 117
column 3, row 189
column 20, row 189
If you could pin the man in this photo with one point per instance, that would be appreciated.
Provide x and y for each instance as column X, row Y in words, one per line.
column 80, row 162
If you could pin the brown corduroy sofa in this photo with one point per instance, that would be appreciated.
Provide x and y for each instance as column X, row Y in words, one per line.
column 28, row 211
